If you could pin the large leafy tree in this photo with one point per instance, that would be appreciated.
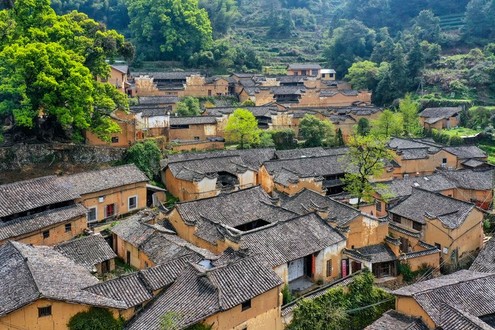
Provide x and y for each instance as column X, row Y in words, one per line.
column 222, row 14
column 316, row 132
column 189, row 106
column 48, row 64
column 409, row 110
column 242, row 128
column 388, row 124
column 169, row 29
column 366, row 158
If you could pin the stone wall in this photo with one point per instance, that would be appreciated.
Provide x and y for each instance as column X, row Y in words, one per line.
column 19, row 156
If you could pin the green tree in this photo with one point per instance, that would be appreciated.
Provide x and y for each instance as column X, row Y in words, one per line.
column 409, row 110
column 316, row 132
column 95, row 319
column 222, row 14
column 427, row 26
column 188, row 106
column 169, row 29
column 339, row 138
column 363, row 75
column 266, row 140
column 363, row 127
column 388, row 124
column 242, row 128
column 366, row 157
column 284, row 139
column 415, row 63
column 146, row 156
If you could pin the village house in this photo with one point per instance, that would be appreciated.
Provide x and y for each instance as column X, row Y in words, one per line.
column 452, row 226
column 111, row 192
column 156, row 102
column 41, row 289
column 40, row 211
column 322, row 173
column 160, row 83
column 468, row 157
column 239, row 294
column 125, row 138
column 462, row 300
column 268, row 117
column 118, row 77
column 92, row 252
column 198, row 128
column 305, row 69
column 142, row 244
column 191, row 176
column 440, row 118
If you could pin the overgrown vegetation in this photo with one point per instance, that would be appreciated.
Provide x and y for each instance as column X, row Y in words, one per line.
column 95, row 319
column 146, row 156
column 425, row 271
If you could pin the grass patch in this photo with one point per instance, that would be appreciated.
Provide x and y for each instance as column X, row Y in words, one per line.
column 461, row 131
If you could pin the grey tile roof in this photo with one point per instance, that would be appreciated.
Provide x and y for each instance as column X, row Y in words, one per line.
column 26, row 195
column 234, row 209
column 158, row 99
column 456, row 319
column 288, row 171
column 473, row 163
column 94, row 181
column 393, row 320
column 440, row 113
column 170, row 75
column 155, row 112
column 163, row 275
column 354, row 110
column 130, row 289
column 87, row 251
column 291, row 79
column 121, row 68
column 198, row 293
column 197, row 169
column 36, row 222
column 466, row 291
column 288, row 90
column 290, row 239
column 253, row 157
column 403, row 187
column 469, row 179
column 485, row 261
column 466, row 152
column 132, row 230
column 374, row 253
column 263, row 111
column 310, row 152
column 402, row 144
column 308, row 201
column 29, row 273
column 304, row 66
column 423, row 204
column 196, row 120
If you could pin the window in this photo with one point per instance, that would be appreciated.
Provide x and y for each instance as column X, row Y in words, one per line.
column 323, row 75
column 378, row 205
column 46, row 234
column 44, row 311
column 115, row 139
column 92, row 214
column 68, row 227
column 246, row 305
column 396, row 218
column 417, row 226
column 329, row 268
column 196, row 138
column 132, row 202
column 109, row 210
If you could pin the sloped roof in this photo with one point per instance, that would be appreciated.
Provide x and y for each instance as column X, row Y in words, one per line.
column 454, row 318
column 26, row 195
column 198, row 293
column 29, row 273
column 197, row 169
column 465, row 152
column 262, row 111
column 467, row 291
column 94, row 181
column 485, row 261
column 87, row 251
column 469, row 179
column 158, row 100
column 194, row 120
column 308, row 201
column 121, row 68
column 304, row 66
column 156, row 112
column 401, row 144
column 440, row 113
column 404, row 187
column 310, row 152
column 35, row 222
column 355, row 110
column 290, row 239
column 165, row 274
column 374, row 253
column 394, row 320
column 423, row 204
column 288, row 90
column 169, row 75
column 234, row 209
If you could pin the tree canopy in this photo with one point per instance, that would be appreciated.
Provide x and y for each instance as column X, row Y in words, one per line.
column 146, row 156
column 189, row 106
column 95, row 319
column 242, row 128
column 316, row 132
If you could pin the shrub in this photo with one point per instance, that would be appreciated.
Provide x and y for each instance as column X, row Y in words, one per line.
column 95, row 319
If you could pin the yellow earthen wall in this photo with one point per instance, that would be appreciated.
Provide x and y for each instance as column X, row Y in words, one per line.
column 409, row 306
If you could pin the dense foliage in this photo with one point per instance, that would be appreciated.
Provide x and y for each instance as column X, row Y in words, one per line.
column 188, row 106
column 146, row 156
column 95, row 319
column 242, row 128
column 316, row 132
column 340, row 308
column 47, row 69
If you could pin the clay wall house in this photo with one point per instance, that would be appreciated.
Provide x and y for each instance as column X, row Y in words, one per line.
column 198, row 128
column 306, row 69
column 118, row 77
column 152, row 122
column 322, row 173
column 468, row 157
column 268, row 117
column 440, row 118
column 40, row 211
column 191, row 176
column 126, row 136
column 169, row 83
column 462, row 300
column 453, row 226
column 156, row 102
column 91, row 252
column 201, row 86
column 111, row 192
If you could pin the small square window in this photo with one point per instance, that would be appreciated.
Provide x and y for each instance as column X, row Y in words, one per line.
column 196, row 138
column 68, row 227
column 92, row 214
column 246, row 305
column 115, row 139
column 46, row 234
column 44, row 311
column 132, row 202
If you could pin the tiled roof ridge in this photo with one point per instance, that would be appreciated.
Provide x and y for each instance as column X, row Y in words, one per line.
column 27, row 263
column 456, row 282
column 442, row 196
column 218, row 196
column 203, row 158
